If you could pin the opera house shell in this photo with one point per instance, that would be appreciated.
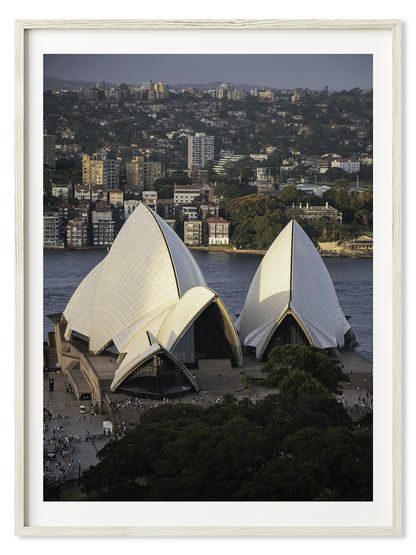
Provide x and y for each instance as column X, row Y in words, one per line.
column 148, row 303
column 292, row 300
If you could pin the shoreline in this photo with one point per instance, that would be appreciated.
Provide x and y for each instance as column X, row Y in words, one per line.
column 217, row 249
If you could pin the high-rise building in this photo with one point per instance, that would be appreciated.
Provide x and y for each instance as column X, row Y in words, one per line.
column 49, row 151
column 143, row 174
column 162, row 90
column 200, row 149
column 100, row 171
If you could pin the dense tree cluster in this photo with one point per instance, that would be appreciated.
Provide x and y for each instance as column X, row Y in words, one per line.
column 297, row 445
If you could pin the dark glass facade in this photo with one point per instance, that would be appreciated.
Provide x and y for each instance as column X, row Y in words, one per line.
column 157, row 378
column 288, row 332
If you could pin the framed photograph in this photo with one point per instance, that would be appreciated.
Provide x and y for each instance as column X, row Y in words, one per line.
column 266, row 60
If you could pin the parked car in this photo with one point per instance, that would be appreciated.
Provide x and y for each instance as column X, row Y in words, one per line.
column 82, row 409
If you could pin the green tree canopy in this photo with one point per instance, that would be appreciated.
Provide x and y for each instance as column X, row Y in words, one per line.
column 286, row 358
column 257, row 220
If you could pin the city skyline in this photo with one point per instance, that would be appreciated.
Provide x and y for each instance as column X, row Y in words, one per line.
column 313, row 71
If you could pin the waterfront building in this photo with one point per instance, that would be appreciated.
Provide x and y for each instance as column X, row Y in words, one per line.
column 218, row 231
column 103, row 233
column 200, row 149
column 313, row 213
column 76, row 234
column 51, row 228
column 103, row 226
column 192, row 232
column 292, row 300
column 145, row 316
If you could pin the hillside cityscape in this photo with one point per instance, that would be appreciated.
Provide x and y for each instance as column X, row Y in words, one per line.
column 225, row 165
column 152, row 391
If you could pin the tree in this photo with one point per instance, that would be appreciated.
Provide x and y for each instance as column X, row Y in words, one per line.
column 322, row 224
column 291, row 195
column 257, row 220
column 328, row 494
column 286, row 358
column 302, row 383
column 363, row 215
column 279, row 425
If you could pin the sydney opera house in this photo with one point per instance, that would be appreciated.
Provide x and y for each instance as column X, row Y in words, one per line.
column 144, row 318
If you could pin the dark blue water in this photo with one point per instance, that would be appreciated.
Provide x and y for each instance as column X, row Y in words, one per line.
column 229, row 275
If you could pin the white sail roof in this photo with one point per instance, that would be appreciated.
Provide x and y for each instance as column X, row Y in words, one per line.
column 147, row 270
column 143, row 296
column 292, row 278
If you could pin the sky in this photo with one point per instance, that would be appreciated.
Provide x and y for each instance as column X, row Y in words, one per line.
column 313, row 71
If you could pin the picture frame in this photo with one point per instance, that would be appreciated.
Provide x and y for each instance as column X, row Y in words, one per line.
column 24, row 29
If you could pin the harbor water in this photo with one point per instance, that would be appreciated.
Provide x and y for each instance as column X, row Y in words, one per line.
column 229, row 274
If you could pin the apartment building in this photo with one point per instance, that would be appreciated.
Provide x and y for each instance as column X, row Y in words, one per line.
column 51, row 228
column 192, row 232
column 349, row 165
column 103, row 226
column 143, row 174
column 200, row 149
column 66, row 211
column 218, row 231
column 76, row 234
column 185, row 194
column 190, row 212
column 162, row 90
column 103, row 233
column 100, row 171
column 116, row 197
column 196, row 175
column 265, row 182
column 83, row 210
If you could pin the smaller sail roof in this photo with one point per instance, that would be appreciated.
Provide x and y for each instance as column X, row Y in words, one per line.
column 292, row 279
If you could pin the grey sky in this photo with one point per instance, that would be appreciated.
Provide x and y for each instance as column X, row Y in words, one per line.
column 314, row 71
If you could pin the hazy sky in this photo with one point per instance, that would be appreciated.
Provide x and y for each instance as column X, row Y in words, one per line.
column 313, row 71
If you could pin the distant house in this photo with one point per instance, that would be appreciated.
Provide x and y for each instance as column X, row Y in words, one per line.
column 185, row 194
column 76, row 234
column 218, row 231
column 192, row 232
column 82, row 192
column 313, row 213
column 362, row 245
